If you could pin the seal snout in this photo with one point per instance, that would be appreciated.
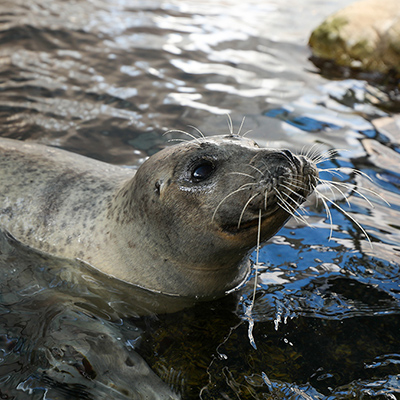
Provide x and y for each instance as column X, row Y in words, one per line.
column 286, row 180
column 310, row 174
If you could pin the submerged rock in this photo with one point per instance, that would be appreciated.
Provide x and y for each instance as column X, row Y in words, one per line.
column 364, row 35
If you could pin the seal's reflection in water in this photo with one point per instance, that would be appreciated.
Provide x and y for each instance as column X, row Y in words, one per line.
column 61, row 336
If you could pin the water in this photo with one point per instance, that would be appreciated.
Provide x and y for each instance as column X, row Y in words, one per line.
column 106, row 79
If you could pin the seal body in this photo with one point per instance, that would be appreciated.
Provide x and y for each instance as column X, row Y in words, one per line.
column 183, row 224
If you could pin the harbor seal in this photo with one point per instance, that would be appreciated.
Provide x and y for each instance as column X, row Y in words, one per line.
column 184, row 223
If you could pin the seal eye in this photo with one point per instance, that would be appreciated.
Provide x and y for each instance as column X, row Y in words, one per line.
column 202, row 171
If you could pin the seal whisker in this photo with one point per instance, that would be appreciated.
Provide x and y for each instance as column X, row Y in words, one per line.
column 297, row 207
column 241, row 173
column 241, row 188
column 297, row 184
column 348, row 215
column 346, row 170
column 361, row 173
column 327, row 211
column 317, row 158
column 230, row 124
column 328, row 155
column 317, row 154
column 179, row 140
column 300, row 217
column 258, row 244
column 247, row 132
column 230, row 127
column 304, row 152
column 290, row 209
column 245, row 206
column 240, row 129
column 249, row 309
column 255, row 168
column 241, row 126
column 349, row 186
column 197, row 130
column 196, row 139
column 294, row 192
column 331, row 187
column 313, row 152
column 353, row 189
column 332, row 171
column 265, row 164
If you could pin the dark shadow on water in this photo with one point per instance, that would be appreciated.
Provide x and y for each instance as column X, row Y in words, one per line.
column 206, row 350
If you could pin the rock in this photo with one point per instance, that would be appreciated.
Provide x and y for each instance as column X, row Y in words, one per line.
column 364, row 36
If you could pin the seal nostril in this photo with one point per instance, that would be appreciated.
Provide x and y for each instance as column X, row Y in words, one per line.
column 289, row 155
column 292, row 159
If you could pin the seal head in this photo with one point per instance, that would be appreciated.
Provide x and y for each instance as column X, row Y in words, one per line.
column 195, row 210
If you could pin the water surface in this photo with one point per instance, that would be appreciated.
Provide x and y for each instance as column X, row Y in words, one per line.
column 106, row 78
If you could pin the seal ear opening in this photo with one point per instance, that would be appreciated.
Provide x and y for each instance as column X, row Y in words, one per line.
column 157, row 187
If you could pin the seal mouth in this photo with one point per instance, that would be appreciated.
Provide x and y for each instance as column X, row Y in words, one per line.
column 245, row 226
column 251, row 223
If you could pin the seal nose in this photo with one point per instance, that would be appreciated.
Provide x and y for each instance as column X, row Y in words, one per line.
column 289, row 155
column 294, row 160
